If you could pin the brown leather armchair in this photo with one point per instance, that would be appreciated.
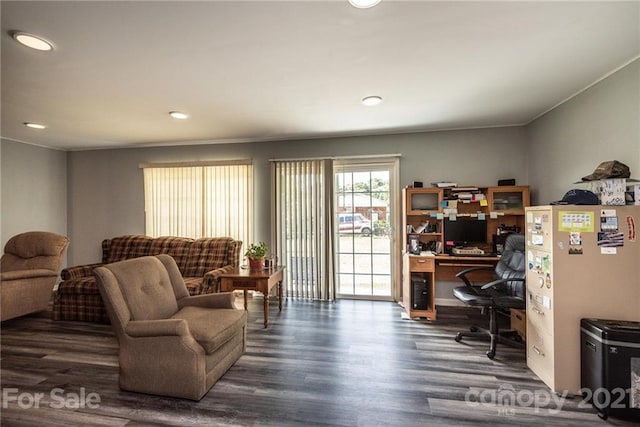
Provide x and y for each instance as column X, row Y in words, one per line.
column 171, row 344
column 28, row 270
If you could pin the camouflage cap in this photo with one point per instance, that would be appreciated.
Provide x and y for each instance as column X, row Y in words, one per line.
column 609, row 169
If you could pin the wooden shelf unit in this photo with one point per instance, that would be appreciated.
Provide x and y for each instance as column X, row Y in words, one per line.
column 500, row 206
column 422, row 206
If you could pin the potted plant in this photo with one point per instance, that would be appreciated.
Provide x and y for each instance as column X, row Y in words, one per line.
column 255, row 254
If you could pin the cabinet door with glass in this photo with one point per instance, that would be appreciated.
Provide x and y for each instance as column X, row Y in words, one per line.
column 423, row 225
column 508, row 200
column 422, row 201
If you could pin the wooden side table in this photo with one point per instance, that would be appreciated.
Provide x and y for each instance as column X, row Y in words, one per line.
column 262, row 281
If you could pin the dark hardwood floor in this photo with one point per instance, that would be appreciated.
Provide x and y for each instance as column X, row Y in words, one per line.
column 352, row 363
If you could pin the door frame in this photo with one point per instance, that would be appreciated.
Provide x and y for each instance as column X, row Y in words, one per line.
column 392, row 164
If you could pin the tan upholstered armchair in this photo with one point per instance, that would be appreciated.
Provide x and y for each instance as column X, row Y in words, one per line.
column 171, row 344
column 28, row 271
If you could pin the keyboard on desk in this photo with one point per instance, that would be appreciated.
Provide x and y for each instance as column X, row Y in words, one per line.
column 467, row 251
column 483, row 255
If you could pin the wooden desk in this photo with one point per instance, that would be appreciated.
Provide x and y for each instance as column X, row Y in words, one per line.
column 262, row 281
column 423, row 267
column 431, row 269
column 447, row 266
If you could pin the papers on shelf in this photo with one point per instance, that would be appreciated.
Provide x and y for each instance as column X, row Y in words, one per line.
column 444, row 184
column 478, row 215
column 466, row 194
column 466, row 189
column 422, row 228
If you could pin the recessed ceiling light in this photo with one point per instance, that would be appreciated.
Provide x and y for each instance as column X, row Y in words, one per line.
column 32, row 41
column 364, row 4
column 34, row 125
column 370, row 101
column 179, row 115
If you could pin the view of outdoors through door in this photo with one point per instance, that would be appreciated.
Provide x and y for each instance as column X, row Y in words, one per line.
column 362, row 221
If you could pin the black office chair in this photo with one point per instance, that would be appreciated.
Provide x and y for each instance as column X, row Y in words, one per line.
column 506, row 291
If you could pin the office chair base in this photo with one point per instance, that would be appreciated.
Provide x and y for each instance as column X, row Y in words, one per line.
column 510, row 338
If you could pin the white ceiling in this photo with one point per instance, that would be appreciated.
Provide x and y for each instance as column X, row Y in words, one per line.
column 283, row 70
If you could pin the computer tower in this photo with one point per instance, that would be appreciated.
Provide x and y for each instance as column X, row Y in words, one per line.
column 420, row 300
column 610, row 366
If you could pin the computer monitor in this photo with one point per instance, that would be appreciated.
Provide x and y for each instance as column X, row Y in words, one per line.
column 465, row 232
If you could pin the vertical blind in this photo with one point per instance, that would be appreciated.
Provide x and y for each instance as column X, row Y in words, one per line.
column 199, row 201
column 302, row 212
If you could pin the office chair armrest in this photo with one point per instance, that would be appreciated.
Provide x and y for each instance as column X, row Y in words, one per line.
column 500, row 282
column 463, row 274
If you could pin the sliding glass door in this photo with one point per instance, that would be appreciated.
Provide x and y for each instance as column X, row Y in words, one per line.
column 364, row 212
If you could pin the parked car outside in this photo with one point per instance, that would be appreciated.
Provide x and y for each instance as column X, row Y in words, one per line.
column 354, row 223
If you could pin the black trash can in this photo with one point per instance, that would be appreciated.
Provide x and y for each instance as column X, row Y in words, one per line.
column 610, row 366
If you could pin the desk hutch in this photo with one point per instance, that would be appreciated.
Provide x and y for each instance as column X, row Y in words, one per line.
column 424, row 213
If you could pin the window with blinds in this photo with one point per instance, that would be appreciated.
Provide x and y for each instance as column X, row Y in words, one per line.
column 199, row 200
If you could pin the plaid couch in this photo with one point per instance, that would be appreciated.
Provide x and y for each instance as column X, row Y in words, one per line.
column 200, row 261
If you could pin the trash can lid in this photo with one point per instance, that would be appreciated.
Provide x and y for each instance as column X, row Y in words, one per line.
column 619, row 330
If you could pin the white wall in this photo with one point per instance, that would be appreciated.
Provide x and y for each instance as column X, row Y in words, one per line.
column 105, row 188
column 34, row 189
column 601, row 123
column 106, row 193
